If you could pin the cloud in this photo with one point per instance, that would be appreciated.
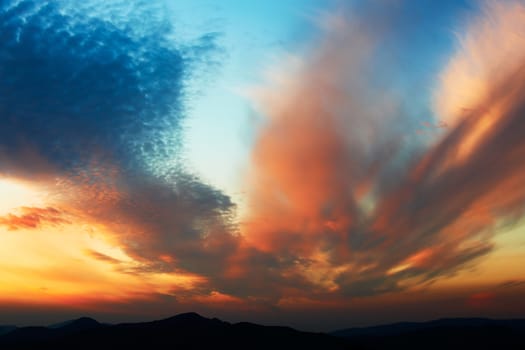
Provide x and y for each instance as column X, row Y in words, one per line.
column 103, row 257
column 345, row 198
column 32, row 218
column 76, row 85
column 512, row 284
column 91, row 104
column 471, row 73
column 316, row 160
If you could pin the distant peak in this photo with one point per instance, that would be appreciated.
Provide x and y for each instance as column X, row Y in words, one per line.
column 85, row 320
column 79, row 323
column 190, row 314
column 186, row 317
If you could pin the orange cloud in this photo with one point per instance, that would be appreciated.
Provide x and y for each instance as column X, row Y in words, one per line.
column 33, row 218
column 335, row 199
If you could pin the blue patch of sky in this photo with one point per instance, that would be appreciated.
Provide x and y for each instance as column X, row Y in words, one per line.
column 252, row 34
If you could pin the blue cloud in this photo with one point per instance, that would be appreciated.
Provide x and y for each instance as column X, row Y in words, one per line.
column 108, row 83
column 104, row 79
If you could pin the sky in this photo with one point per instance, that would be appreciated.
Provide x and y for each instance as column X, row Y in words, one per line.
column 313, row 163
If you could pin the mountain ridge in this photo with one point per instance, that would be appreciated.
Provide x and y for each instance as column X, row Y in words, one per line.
column 191, row 330
column 402, row 327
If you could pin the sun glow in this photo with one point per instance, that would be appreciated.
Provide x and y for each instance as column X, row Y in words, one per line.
column 15, row 194
column 51, row 253
column 70, row 262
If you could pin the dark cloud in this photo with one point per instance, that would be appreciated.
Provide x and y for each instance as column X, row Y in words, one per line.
column 512, row 284
column 103, row 257
column 95, row 95
column 78, row 85
column 73, row 86
column 191, row 223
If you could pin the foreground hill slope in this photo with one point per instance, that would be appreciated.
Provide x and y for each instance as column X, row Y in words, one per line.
column 192, row 331
column 184, row 331
column 461, row 333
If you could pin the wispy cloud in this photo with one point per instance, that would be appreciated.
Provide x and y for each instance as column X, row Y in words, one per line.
column 32, row 218
column 333, row 193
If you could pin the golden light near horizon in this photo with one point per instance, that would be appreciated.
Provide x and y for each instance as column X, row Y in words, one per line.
column 64, row 259
column 62, row 265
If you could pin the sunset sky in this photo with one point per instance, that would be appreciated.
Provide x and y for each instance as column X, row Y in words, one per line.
column 313, row 163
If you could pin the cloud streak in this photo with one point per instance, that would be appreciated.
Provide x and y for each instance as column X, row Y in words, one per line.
column 32, row 218
column 332, row 191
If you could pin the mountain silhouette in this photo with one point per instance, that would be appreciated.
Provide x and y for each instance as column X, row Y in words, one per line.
column 6, row 329
column 192, row 331
column 459, row 333
column 79, row 324
column 184, row 331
